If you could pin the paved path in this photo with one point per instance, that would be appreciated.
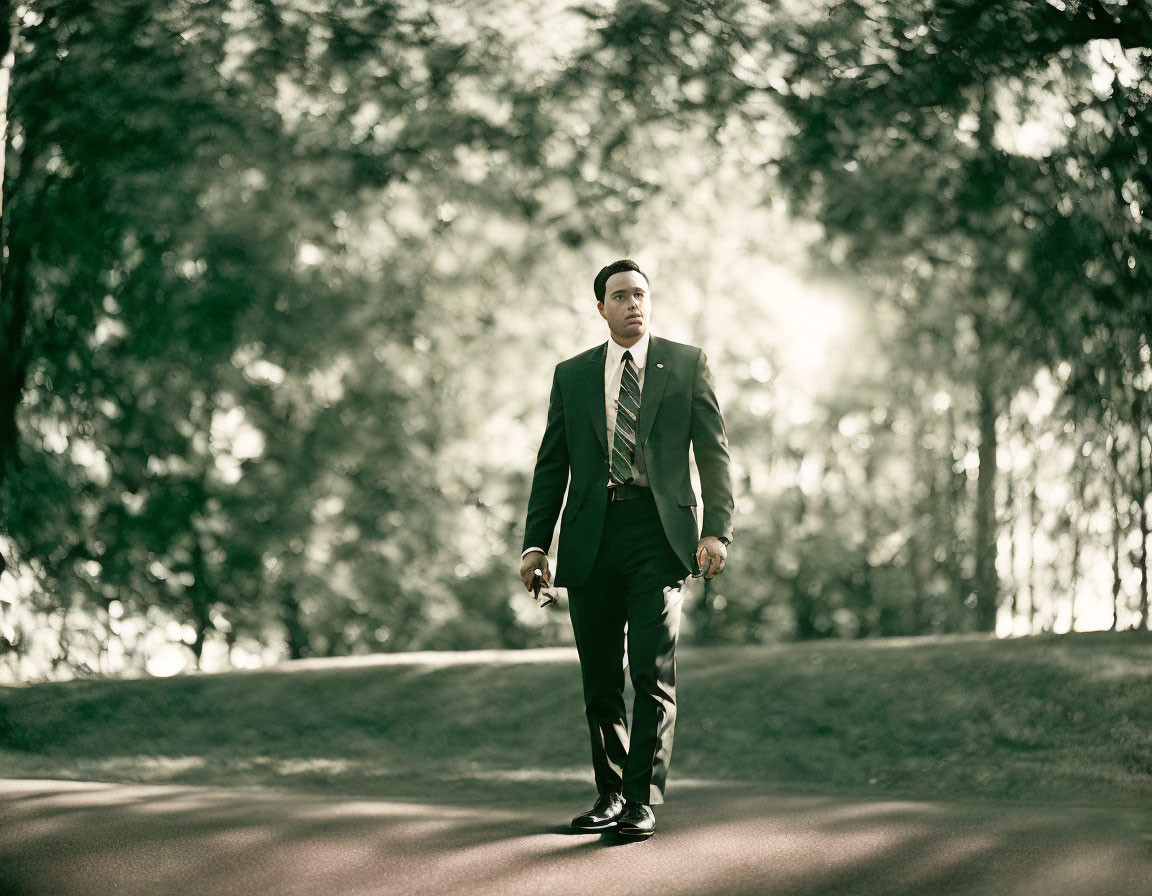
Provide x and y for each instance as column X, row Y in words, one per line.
column 62, row 838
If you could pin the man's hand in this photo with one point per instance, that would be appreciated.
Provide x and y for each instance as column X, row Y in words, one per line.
column 533, row 561
column 711, row 555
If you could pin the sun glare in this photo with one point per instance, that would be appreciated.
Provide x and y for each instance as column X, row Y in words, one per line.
column 811, row 327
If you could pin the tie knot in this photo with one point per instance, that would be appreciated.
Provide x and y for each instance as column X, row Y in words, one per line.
column 627, row 357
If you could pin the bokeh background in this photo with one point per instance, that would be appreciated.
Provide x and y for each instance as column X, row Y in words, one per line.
column 284, row 282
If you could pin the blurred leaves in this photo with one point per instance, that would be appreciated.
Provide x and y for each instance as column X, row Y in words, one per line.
column 283, row 281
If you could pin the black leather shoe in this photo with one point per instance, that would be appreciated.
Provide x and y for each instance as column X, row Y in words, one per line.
column 637, row 821
column 602, row 815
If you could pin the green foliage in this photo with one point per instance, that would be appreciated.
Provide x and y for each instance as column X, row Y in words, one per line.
column 284, row 280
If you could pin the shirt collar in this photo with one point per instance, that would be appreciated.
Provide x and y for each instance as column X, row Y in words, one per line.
column 639, row 352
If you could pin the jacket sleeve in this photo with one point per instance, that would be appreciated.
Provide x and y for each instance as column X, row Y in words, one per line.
column 710, row 447
column 550, row 478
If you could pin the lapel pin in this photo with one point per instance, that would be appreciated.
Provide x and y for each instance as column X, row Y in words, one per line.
column 661, row 366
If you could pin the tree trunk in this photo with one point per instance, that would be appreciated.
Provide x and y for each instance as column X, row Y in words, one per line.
column 14, row 349
column 201, row 595
column 1033, row 525
column 956, row 496
column 1010, row 522
column 7, row 63
column 1141, row 495
column 987, row 582
column 918, row 615
column 7, row 440
column 296, row 634
column 1114, row 454
column 866, row 589
column 1081, row 467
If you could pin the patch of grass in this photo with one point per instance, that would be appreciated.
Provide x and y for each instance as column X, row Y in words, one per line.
column 1055, row 718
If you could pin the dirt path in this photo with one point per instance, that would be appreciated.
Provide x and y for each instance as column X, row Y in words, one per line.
column 62, row 838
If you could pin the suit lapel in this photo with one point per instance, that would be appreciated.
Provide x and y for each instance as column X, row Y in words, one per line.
column 655, row 376
column 594, row 377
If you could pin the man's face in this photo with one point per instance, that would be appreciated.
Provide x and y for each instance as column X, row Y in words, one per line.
column 626, row 306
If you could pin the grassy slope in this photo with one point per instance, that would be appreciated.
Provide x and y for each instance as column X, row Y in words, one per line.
column 1062, row 718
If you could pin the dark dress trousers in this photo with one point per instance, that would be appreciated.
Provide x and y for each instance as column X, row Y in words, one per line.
column 622, row 561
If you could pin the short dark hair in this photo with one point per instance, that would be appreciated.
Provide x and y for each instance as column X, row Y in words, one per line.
column 617, row 267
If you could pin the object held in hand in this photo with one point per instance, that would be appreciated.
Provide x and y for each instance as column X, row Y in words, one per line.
column 544, row 595
column 701, row 562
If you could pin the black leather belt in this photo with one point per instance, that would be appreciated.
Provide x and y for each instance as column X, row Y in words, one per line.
column 626, row 492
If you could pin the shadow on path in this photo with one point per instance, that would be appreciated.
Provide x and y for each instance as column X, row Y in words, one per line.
column 63, row 838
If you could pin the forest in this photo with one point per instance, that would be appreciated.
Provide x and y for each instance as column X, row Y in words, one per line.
column 284, row 282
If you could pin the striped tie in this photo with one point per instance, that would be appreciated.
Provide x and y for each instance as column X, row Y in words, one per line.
column 627, row 413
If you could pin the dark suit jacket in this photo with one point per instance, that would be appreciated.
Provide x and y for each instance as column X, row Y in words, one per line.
column 677, row 407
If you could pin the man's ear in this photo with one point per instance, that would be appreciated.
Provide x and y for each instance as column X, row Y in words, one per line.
column 600, row 308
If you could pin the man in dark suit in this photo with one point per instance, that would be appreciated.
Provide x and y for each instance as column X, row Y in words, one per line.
column 621, row 418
